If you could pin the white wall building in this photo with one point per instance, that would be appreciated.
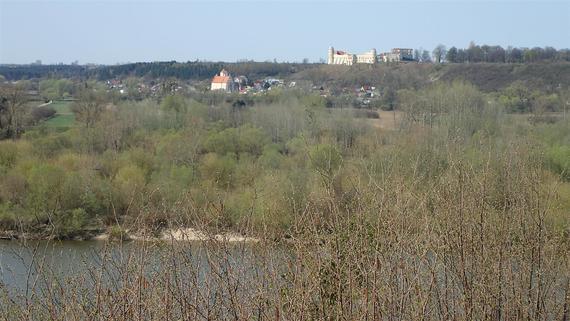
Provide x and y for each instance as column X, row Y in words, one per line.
column 397, row 55
column 340, row 57
column 222, row 81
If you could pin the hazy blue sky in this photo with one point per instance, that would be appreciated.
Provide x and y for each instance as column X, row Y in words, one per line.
column 127, row 31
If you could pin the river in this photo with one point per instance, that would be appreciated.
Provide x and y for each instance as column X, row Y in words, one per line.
column 30, row 266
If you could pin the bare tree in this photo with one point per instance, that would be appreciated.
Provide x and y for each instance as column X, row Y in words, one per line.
column 439, row 53
column 88, row 107
column 425, row 56
column 13, row 108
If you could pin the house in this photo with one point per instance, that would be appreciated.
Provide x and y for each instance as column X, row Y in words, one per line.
column 241, row 82
column 223, row 81
column 397, row 55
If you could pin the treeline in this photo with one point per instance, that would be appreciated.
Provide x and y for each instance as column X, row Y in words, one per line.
column 181, row 70
column 17, row 72
column 199, row 70
column 498, row 54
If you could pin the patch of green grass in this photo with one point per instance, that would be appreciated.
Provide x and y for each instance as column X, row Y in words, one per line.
column 61, row 107
column 58, row 120
column 64, row 117
column 561, row 207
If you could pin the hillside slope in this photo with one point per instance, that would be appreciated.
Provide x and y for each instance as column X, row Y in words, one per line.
column 488, row 77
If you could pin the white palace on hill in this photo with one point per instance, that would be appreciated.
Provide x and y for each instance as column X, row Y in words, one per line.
column 340, row 57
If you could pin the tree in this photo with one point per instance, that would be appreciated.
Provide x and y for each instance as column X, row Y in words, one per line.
column 496, row 54
column 88, row 107
column 563, row 54
column 174, row 103
column 513, row 55
column 549, row 53
column 388, row 99
column 425, row 56
column 52, row 89
column 474, row 53
column 44, row 196
column 13, row 108
column 451, row 55
column 417, row 54
column 219, row 169
column 517, row 97
column 439, row 53
column 326, row 160
column 485, row 49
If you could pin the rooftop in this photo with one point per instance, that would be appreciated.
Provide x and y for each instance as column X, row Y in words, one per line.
column 220, row 79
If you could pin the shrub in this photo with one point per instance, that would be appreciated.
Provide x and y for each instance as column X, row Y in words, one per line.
column 219, row 169
column 13, row 188
column 174, row 103
column 117, row 233
column 45, row 192
column 40, row 113
column 8, row 154
column 326, row 160
column 559, row 160
column 70, row 223
column 271, row 157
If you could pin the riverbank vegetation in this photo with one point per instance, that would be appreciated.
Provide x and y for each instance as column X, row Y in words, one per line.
column 459, row 212
column 256, row 166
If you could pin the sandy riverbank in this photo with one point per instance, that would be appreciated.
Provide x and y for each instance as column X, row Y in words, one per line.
column 174, row 234
column 183, row 234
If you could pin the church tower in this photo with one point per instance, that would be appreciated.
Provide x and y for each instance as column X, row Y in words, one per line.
column 330, row 60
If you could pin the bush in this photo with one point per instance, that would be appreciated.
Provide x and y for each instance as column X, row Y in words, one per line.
column 70, row 223
column 219, row 169
column 271, row 157
column 13, row 188
column 117, row 233
column 244, row 139
column 326, row 160
column 366, row 113
column 40, row 113
column 559, row 160
column 174, row 103
column 8, row 155
column 45, row 192
column 130, row 179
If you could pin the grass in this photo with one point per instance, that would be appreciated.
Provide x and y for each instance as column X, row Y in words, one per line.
column 62, row 107
column 64, row 117
column 61, row 121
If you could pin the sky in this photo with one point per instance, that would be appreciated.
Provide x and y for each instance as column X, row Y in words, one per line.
column 111, row 32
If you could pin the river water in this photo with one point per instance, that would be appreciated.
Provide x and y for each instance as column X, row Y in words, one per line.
column 24, row 265
column 29, row 266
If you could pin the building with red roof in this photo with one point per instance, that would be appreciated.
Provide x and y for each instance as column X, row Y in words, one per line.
column 222, row 81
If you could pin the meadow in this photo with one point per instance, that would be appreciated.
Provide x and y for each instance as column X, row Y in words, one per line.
column 63, row 117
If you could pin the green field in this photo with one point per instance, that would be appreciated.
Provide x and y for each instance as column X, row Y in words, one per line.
column 64, row 117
